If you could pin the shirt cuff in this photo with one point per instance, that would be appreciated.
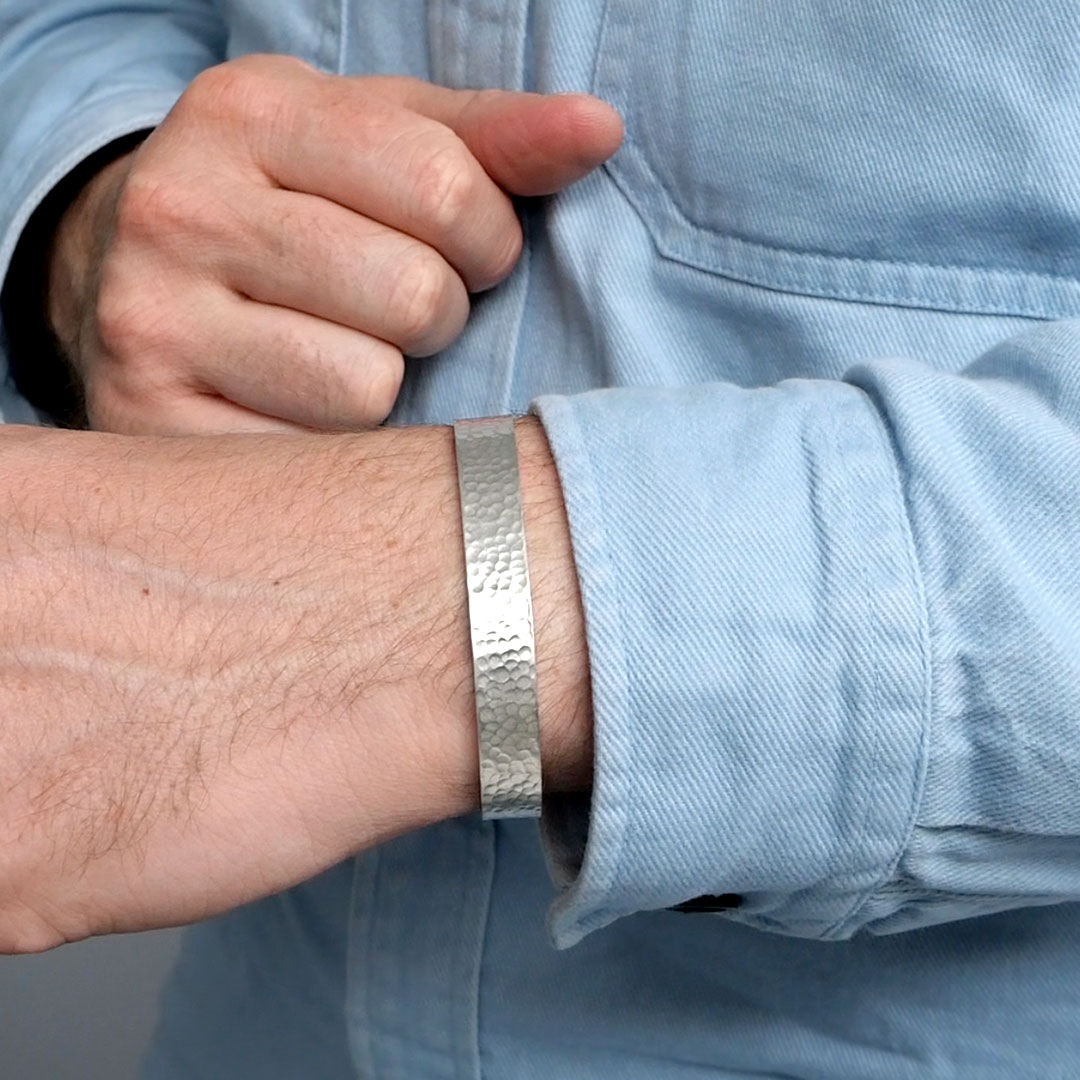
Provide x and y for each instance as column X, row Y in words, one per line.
column 759, row 655
column 80, row 134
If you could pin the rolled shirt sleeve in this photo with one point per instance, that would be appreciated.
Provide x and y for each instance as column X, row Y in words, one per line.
column 834, row 629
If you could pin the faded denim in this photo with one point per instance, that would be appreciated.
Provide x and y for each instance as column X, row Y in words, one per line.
column 808, row 353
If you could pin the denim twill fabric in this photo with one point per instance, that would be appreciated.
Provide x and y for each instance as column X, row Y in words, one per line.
column 808, row 353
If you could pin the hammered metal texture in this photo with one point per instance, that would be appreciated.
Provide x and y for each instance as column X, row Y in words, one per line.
column 500, row 611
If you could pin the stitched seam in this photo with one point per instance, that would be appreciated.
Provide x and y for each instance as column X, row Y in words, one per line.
column 343, row 23
column 594, row 496
column 800, row 281
column 874, row 713
column 471, row 959
column 523, row 275
column 875, row 699
column 914, row 264
column 602, row 37
column 619, row 850
column 357, row 997
column 75, row 122
column 904, row 519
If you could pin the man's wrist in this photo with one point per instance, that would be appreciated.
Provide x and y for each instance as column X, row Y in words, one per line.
column 561, row 649
column 238, row 660
column 434, row 612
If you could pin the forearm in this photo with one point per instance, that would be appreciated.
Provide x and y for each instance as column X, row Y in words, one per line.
column 228, row 663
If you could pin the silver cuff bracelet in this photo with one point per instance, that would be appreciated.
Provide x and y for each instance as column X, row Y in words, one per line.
column 500, row 613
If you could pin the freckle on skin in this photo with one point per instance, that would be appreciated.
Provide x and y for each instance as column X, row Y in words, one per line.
column 277, row 582
column 146, row 592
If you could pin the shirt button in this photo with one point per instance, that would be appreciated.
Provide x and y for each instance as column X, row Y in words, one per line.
column 725, row 902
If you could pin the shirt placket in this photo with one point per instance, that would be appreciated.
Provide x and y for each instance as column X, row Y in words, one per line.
column 478, row 43
column 475, row 44
column 420, row 903
column 418, row 921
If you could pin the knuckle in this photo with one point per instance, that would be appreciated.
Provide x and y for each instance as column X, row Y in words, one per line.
column 383, row 386
column 124, row 323
column 504, row 258
column 125, row 406
column 139, row 333
column 156, row 209
column 224, row 89
column 217, row 91
column 249, row 89
column 446, row 186
column 419, row 299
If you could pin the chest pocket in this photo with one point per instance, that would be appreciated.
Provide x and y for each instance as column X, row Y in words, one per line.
column 922, row 154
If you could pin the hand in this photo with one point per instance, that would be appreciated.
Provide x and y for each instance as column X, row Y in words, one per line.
column 227, row 663
column 266, row 258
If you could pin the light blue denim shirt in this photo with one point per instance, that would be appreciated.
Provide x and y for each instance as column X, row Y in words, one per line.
column 808, row 354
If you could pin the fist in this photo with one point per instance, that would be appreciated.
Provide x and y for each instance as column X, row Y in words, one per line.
column 271, row 253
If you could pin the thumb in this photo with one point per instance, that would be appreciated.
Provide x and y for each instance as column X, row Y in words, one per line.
column 529, row 144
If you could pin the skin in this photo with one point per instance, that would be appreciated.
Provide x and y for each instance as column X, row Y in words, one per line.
column 229, row 661
column 269, row 255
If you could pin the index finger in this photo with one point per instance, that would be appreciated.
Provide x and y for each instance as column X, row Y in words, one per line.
column 337, row 139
